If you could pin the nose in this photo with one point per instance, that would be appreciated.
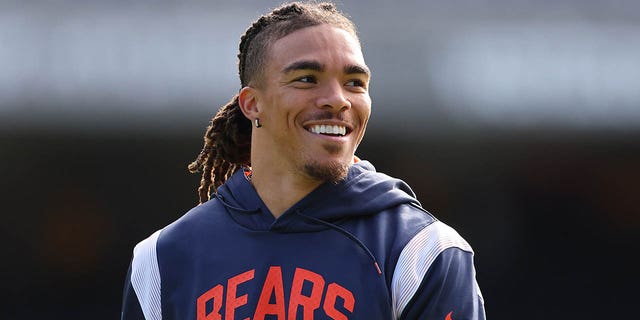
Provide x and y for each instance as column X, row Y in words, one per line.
column 333, row 97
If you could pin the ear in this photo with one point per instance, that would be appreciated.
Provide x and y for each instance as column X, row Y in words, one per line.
column 248, row 102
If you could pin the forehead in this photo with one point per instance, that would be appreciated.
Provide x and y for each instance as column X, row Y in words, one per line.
column 329, row 45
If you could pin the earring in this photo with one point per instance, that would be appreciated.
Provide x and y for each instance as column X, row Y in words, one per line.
column 257, row 121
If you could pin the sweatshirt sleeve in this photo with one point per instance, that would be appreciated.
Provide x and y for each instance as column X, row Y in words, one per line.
column 131, row 309
column 435, row 278
column 141, row 298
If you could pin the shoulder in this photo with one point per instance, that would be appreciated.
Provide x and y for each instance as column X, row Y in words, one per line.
column 199, row 220
column 431, row 240
column 437, row 251
column 400, row 224
column 145, row 276
column 145, row 253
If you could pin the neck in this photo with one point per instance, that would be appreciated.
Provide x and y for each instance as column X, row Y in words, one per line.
column 278, row 191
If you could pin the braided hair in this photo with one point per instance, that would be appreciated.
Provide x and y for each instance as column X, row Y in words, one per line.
column 227, row 140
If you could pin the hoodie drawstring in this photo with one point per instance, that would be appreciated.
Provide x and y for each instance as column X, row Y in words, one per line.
column 346, row 234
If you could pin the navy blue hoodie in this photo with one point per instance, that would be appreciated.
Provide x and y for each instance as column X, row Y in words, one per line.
column 360, row 249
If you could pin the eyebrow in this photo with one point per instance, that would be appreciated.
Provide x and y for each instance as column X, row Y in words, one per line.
column 317, row 66
column 304, row 65
column 354, row 69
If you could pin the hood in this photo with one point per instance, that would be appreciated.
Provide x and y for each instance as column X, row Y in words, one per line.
column 363, row 192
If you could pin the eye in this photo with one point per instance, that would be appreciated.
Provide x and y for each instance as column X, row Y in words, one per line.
column 306, row 79
column 356, row 83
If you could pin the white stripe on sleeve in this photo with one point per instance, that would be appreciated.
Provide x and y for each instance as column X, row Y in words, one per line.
column 416, row 259
column 145, row 277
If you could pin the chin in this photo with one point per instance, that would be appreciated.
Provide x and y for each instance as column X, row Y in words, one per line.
column 332, row 171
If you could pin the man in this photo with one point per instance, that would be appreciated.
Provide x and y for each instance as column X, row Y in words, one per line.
column 300, row 228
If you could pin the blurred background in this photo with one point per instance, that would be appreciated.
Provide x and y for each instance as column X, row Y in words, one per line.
column 515, row 121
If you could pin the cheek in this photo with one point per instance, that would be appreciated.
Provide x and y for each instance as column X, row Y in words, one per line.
column 292, row 106
column 278, row 109
column 363, row 108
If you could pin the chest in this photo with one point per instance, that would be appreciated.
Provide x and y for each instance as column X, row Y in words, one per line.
column 264, row 275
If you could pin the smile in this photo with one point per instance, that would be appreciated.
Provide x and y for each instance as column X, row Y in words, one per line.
column 328, row 129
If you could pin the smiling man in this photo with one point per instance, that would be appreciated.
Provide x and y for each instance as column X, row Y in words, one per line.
column 298, row 226
column 313, row 104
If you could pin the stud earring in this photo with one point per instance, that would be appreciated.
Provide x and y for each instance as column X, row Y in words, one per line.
column 257, row 121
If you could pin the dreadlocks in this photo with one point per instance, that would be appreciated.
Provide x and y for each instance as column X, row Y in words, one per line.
column 227, row 141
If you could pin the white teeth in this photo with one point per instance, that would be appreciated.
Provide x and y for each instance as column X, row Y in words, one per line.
column 328, row 129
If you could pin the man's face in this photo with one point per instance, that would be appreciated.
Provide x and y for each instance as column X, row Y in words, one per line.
column 314, row 102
